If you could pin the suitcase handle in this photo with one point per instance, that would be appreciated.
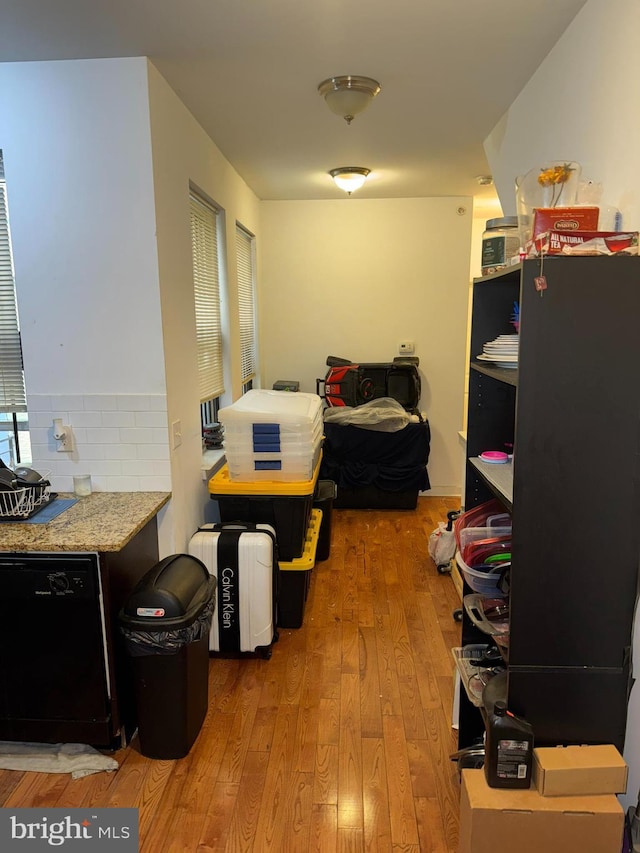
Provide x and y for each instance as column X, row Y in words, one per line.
column 246, row 526
column 336, row 361
column 230, row 525
column 407, row 359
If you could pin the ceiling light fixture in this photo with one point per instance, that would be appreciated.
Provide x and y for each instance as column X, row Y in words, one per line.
column 349, row 94
column 349, row 178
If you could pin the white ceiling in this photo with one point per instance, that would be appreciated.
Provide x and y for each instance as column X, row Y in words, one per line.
column 249, row 69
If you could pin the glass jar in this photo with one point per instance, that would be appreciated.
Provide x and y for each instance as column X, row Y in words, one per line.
column 555, row 184
column 500, row 243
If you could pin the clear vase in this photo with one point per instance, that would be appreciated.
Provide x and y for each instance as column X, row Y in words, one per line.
column 554, row 184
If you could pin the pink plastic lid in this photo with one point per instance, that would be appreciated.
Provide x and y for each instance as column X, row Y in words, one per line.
column 494, row 456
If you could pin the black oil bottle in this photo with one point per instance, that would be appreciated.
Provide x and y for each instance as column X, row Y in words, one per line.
column 508, row 749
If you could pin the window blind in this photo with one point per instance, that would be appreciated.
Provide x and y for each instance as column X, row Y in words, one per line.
column 206, row 284
column 12, row 391
column 246, row 303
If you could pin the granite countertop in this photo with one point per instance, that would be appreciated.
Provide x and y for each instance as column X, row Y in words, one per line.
column 103, row 521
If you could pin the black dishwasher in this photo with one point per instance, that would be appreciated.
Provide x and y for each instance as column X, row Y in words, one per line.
column 54, row 683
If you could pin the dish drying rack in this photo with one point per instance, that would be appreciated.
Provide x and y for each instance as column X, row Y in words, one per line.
column 22, row 503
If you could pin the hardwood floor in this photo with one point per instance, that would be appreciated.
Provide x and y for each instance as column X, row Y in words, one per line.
column 340, row 742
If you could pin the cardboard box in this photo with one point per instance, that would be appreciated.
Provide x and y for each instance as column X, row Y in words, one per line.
column 579, row 770
column 500, row 820
column 565, row 219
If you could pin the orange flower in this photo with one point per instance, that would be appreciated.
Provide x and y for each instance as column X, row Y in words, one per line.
column 555, row 175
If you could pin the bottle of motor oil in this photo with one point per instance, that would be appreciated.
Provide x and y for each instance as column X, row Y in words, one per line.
column 508, row 749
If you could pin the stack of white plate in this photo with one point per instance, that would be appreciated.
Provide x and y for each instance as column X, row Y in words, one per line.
column 502, row 351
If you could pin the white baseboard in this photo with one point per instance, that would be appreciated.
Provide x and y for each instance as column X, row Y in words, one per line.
column 445, row 491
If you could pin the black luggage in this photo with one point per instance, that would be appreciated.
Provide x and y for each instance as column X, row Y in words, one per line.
column 349, row 384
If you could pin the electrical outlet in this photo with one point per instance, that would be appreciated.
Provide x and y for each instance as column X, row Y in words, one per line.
column 63, row 435
column 406, row 347
column 65, row 444
column 176, row 434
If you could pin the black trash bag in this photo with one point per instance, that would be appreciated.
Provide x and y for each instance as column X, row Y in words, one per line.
column 143, row 643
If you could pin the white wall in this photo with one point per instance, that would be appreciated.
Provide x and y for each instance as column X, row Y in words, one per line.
column 98, row 157
column 580, row 105
column 182, row 152
column 352, row 278
column 76, row 143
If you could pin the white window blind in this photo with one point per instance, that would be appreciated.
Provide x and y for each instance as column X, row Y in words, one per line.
column 12, row 390
column 246, row 303
column 206, row 283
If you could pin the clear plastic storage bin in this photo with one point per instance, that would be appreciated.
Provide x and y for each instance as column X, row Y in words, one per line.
column 272, row 435
column 246, row 439
column 478, row 516
column 293, row 412
column 281, row 467
column 500, row 536
column 486, row 581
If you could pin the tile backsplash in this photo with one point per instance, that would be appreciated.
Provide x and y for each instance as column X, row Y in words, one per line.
column 121, row 440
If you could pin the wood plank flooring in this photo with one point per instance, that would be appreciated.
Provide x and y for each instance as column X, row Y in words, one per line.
column 340, row 742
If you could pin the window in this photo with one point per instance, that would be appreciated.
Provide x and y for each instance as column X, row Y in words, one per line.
column 209, row 411
column 245, row 256
column 13, row 401
column 206, row 282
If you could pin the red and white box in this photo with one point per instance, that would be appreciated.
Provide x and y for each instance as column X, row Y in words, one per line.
column 565, row 219
column 584, row 243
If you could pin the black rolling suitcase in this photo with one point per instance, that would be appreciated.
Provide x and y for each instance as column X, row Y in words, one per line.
column 349, row 384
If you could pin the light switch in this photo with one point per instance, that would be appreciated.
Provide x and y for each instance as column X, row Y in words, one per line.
column 176, row 434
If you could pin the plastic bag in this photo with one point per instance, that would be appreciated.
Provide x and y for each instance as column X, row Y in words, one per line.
column 384, row 415
column 144, row 643
column 442, row 545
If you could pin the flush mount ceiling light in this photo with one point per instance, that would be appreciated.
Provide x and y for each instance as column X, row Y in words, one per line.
column 349, row 94
column 349, row 178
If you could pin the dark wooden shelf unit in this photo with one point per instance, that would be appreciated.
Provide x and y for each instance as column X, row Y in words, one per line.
column 571, row 410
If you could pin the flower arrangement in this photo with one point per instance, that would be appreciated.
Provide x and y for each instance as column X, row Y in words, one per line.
column 556, row 177
column 552, row 185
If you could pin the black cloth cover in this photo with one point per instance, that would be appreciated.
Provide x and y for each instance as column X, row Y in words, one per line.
column 392, row 461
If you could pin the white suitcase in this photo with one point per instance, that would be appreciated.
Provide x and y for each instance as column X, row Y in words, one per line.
column 242, row 558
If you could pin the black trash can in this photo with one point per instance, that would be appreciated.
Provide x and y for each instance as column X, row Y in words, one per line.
column 323, row 499
column 166, row 622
